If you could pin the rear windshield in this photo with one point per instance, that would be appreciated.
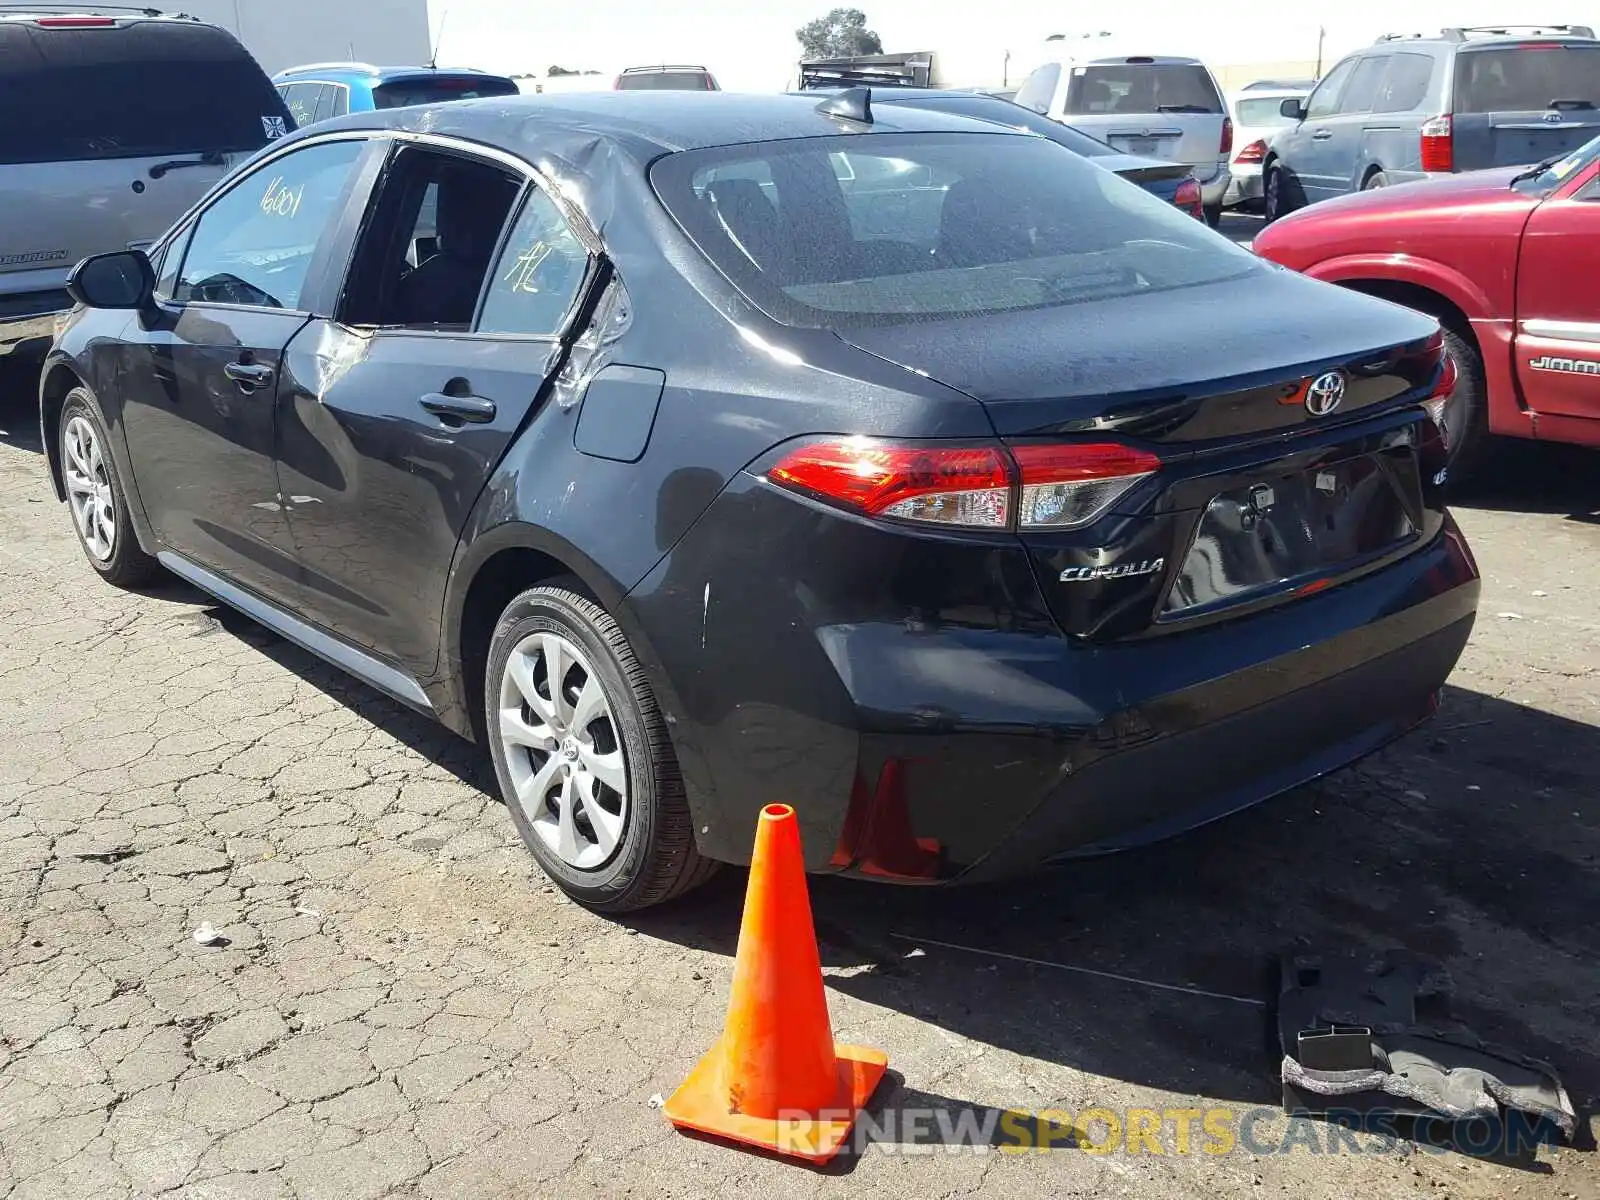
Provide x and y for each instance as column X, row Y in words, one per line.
column 1262, row 113
column 1526, row 78
column 145, row 89
column 665, row 81
column 436, row 89
column 1142, row 88
column 839, row 231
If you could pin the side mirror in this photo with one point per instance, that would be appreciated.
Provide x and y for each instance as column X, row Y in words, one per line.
column 124, row 279
column 1294, row 109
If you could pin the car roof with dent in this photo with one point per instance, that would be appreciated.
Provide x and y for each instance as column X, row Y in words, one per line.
column 651, row 123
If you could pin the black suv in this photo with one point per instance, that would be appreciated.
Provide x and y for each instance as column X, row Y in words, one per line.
column 1409, row 107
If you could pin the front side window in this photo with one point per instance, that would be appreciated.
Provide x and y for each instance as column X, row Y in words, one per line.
column 255, row 244
column 539, row 274
column 1324, row 101
column 1039, row 89
column 907, row 227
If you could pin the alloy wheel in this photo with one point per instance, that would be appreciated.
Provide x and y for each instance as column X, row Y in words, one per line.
column 89, row 488
column 563, row 749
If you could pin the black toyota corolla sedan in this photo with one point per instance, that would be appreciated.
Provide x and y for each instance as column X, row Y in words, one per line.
column 692, row 452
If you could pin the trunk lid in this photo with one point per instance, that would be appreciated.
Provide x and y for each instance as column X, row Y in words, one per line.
column 1522, row 103
column 1194, row 365
column 1257, row 498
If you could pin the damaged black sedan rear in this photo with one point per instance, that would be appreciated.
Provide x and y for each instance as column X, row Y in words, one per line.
column 902, row 468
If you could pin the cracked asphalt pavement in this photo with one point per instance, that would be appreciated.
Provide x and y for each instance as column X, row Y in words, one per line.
column 398, row 1004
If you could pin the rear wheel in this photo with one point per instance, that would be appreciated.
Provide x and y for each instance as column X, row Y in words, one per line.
column 582, row 755
column 1213, row 215
column 1378, row 179
column 1281, row 192
column 95, row 497
column 1466, row 413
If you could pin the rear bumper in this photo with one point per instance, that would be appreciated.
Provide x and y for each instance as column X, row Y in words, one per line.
column 1214, row 180
column 962, row 736
column 1244, row 185
column 28, row 321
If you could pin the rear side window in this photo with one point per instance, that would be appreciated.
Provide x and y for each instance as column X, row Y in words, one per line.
column 665, row 81
column 1405, row 86
column 538, row 276
column 1362, row 91
column 141, row 90
column 1526, row 79
column 436, row 89
column 1142, row 88
column 840, row 231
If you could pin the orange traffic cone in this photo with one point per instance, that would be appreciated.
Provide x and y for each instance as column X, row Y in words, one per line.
column 776, row 1079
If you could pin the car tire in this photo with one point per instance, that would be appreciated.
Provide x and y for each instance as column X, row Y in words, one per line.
column 1280, row 192
column 1213, row 215
column 1469, row 420
column 95, row 495
column 590, row 780
column 1378, row 179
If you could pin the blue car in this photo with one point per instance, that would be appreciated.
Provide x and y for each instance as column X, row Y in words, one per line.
column 324, row 90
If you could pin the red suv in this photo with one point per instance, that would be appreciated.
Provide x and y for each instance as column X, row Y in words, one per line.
column 1506, row 259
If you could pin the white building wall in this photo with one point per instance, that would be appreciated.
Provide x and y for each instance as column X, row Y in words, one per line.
column 288, row 33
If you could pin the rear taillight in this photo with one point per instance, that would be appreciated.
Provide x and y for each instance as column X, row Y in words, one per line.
column 1253, row 153
column 1449, row 376
column 1226, row 147
column 1438, row 144
column 1188, row 198
column 966, row 486
column 1067, row 486
column 1059, row 486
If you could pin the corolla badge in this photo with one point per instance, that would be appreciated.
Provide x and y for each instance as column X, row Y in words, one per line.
column 1127, row 570
column 1325, row 394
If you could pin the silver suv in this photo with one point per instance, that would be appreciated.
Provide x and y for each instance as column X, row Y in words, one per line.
column 113, row 126
column 1148, row 105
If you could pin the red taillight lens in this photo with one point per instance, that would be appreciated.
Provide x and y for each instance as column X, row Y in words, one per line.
column 1253, row 153
column 1438, row 144
column 1188, row 198
column 1067, row 486
column 1227, row 136
column 965, row 486
column 972, row 487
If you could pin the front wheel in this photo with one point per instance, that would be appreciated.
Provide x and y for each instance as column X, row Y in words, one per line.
column 95, row 497
column 1466, row 412
column 1280, row 193
column 1378, row 179
column 582, row 755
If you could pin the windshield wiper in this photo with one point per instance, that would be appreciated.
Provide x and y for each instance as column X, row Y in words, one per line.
column 211, row 158
column 1182, row 108
column 1537, row 169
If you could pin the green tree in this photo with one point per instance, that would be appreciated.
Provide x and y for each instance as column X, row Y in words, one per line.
column 843, row 33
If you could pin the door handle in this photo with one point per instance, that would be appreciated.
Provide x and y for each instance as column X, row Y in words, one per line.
column 1322, row 135
column 248, row 375
column 459, row 408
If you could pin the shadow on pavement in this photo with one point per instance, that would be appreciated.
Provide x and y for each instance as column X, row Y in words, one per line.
column 1472, row 840
column 1522, row 476
column 19, row 405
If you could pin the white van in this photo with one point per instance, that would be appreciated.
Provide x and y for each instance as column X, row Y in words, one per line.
column 1149, row 105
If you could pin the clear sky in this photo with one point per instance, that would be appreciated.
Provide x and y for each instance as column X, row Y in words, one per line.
column 751, row 45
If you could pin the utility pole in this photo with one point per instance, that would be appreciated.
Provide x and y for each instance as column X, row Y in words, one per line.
column 1005, row 71
column 1321, row 33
